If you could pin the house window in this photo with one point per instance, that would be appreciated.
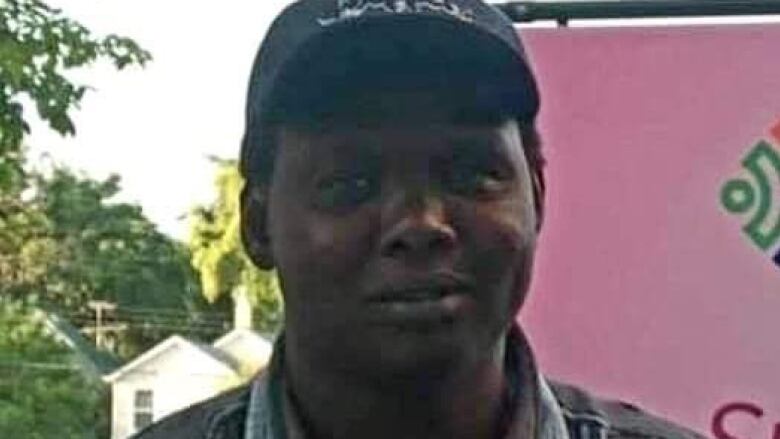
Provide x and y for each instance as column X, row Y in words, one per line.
column 142, row 409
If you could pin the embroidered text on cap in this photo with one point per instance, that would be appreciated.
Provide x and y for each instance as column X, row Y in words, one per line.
column 350, row 9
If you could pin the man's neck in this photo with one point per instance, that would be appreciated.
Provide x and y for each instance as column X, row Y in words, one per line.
column 467, row 403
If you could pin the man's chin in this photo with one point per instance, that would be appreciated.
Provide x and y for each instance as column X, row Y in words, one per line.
column 409, row 355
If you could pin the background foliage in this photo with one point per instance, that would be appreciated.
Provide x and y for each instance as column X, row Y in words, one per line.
column 42, row 394
column 69, row 243
column 79, row 245
column 218, row 255
column 37, row 46
column 65, row 240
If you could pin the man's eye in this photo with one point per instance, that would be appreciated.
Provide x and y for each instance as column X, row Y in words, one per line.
column 477, row 180
column 344, row 191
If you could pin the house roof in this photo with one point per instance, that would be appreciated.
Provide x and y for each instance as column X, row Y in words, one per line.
column 95, row 362
column 240, row 333
column 217, row 354
column 219, row 358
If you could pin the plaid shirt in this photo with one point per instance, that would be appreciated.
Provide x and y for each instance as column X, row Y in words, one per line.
column 550, row 410
column 270, row 414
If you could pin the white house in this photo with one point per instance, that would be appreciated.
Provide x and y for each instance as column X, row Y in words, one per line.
column 251, row 350
column 179, row 372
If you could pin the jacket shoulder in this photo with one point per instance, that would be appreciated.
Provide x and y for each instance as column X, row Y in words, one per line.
column 197, row 421
column 620, row 419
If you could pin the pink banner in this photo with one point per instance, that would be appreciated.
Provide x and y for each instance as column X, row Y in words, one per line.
column 658, row 279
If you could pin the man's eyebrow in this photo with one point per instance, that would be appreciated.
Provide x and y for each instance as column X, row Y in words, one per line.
column 472, row 146
column 345, row 143
column 475, row 117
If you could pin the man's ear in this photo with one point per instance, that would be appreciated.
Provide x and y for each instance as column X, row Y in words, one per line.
column 254, row 225
column 540, row 190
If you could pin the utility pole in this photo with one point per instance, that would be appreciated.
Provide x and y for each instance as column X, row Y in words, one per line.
column 101, row 307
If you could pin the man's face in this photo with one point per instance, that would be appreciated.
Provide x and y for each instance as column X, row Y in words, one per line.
column 402, row 246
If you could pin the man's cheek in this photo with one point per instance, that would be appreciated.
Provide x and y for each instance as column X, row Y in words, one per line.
column 506, row 246
column 504, row 228
column 339, row 246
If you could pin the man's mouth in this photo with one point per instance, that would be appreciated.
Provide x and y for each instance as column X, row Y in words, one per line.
column 421, row 302
column 414, row 294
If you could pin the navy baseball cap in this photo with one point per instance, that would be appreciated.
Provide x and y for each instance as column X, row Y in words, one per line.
column 320, row 53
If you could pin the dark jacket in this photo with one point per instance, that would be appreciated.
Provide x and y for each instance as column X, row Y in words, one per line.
column 587, row 417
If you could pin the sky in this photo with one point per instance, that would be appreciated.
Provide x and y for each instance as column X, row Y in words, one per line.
column 156, row 126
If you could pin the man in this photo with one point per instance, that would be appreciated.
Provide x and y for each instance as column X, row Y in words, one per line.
column 394, row 180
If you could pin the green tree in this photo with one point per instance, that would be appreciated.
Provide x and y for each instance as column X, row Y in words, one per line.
column 23, row 242
column 62, row 239
column 218, row 255
column 42, row 393
column 72, row 244
column 109, row 250
column 80, row 245
column 37, row 46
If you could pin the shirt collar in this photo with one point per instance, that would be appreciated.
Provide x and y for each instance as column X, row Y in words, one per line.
column 537, row 397
column 271, row 416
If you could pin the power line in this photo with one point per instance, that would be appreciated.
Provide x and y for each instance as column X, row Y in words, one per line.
column 172, row 311
column 38, row 365
column 133, row 315
column 171, row 318
column 140, row 322
column 174, row 326
column 194, row 315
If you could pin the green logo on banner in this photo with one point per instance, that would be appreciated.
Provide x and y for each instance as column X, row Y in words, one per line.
column 758, row 194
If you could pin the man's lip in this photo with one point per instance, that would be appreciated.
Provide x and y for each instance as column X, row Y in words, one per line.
column 421, row 302
column 420, row 289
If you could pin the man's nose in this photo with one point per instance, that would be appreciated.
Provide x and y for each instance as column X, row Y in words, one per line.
column 419, row 230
